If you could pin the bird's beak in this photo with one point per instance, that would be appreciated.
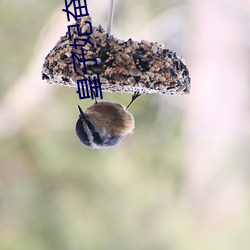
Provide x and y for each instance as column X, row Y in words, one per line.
column 82, row 115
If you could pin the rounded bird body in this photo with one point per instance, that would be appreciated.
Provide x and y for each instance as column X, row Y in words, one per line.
column 112, row 118
column 104, row 125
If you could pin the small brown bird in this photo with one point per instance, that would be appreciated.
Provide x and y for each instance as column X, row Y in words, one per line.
column 104, row 124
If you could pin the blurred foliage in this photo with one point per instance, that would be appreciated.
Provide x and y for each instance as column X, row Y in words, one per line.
column 20, row 24
column 56, row 194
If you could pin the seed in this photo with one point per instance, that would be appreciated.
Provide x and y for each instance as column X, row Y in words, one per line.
column 119, row 58
column 99, row 61
column 68, row 54
column 90, row 63
column 85, row 29
column 154, row 49
column 150, row 74
column 104, row 80
column 79, row 71
column 120, row 42
column 61, row 62
column 134, row 72
column 145, row 42
column 144, row 78
column 68, row 60
column 131, row 80
column 135, row 45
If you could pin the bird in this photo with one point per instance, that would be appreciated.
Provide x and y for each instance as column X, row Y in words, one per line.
column 104, row 124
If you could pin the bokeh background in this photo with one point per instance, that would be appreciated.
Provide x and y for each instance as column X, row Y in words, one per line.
column 180, row 182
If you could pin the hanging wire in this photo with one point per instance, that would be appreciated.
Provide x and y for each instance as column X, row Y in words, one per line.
column 110, row 16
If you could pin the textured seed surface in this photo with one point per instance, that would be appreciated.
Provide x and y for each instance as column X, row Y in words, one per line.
column 123, row 66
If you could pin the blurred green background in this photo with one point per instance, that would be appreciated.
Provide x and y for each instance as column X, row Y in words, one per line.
column 181, row 181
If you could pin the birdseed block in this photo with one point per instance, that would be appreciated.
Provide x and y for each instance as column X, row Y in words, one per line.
column 123, row 66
